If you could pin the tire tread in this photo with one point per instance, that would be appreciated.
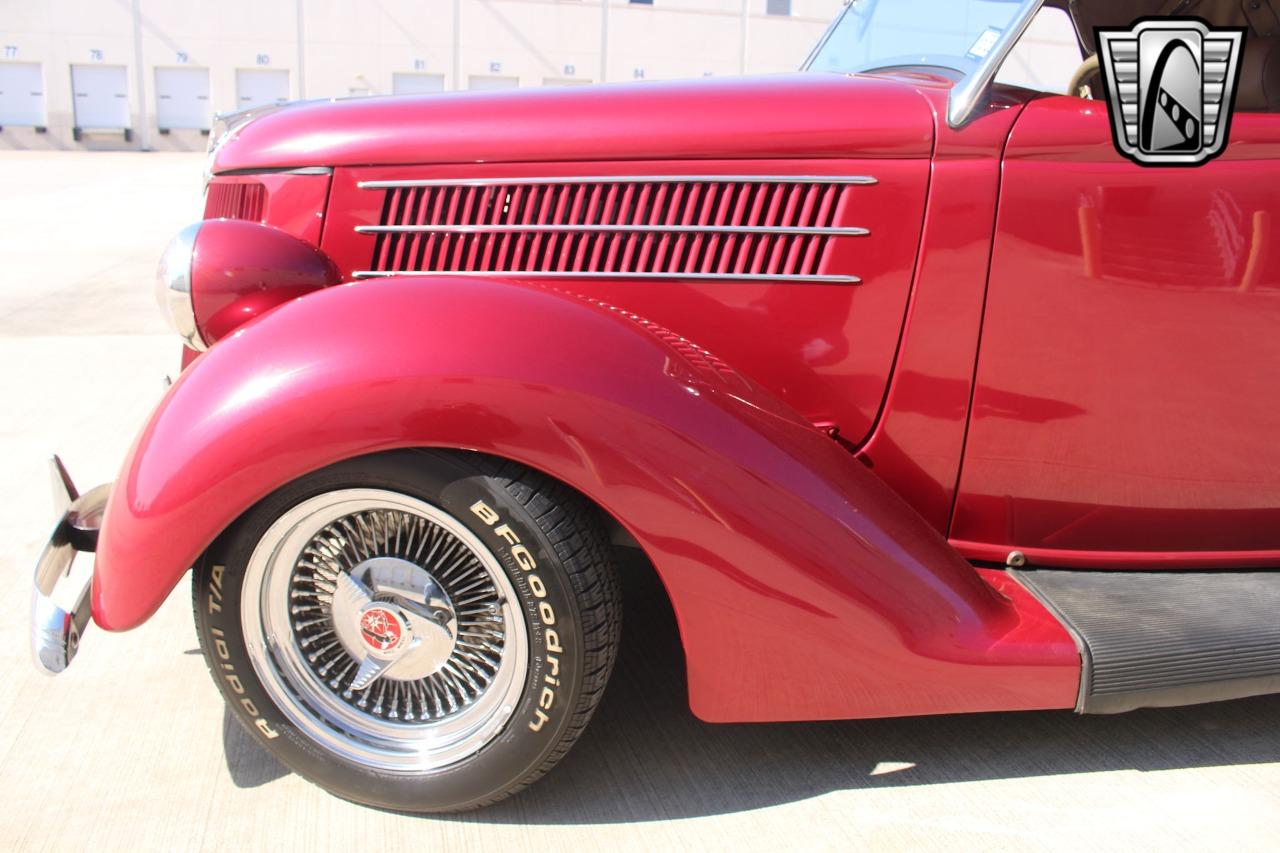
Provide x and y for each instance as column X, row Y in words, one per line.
column 577, row 533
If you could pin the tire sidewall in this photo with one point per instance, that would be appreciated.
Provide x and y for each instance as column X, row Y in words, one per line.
column 546, row 601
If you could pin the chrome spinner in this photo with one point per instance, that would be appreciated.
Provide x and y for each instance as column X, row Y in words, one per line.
column 394, row 618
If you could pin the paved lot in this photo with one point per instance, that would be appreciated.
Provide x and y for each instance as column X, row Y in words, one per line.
column 131, row 749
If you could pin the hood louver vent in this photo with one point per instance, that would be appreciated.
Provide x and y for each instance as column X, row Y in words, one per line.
column 749, row 228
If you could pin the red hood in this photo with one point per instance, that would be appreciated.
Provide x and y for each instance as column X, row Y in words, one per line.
column 794, row 116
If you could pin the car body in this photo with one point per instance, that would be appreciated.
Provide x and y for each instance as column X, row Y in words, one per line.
column 871, row 367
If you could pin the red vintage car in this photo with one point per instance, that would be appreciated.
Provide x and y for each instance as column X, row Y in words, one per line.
column 916, row 394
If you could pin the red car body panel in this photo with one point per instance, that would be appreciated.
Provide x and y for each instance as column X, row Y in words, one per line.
column 808, row 116
column 803, row 587
column 825, row 350
column 1125, row 412
column 293, row 203
column 243, row 270
column 973, row 394
column 917, row 444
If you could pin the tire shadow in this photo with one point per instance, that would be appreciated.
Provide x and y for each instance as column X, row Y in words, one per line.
column 248, row 763
column 645, row 757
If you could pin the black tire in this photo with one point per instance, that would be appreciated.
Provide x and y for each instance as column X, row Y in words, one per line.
column 574, row 561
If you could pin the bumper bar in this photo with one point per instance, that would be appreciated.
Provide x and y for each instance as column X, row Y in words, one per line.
column 60, row 601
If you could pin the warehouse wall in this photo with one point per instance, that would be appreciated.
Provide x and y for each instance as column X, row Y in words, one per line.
column 352, row 48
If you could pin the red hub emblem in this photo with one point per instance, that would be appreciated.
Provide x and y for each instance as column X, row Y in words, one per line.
column 380, row 629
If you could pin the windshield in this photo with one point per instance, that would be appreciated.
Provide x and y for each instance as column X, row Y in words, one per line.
column 873, row 34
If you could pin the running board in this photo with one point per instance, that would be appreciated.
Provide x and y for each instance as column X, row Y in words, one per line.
column 1157, row 639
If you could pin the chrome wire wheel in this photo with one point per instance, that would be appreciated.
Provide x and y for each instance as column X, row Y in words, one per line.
column 384, row 629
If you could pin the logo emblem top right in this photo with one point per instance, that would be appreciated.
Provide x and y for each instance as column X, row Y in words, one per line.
column 1171, row 84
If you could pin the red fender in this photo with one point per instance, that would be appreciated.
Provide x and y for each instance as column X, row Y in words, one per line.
column 804, row 588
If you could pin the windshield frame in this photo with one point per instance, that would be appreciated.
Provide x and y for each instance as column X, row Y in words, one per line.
column 972, row 88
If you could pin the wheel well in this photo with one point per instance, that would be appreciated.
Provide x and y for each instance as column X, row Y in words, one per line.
column 645, row 597
column 646, row 600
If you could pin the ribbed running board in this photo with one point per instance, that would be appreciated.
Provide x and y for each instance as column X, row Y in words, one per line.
column 1156, row 639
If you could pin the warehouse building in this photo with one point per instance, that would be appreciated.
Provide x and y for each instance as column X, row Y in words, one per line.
column 152, row 73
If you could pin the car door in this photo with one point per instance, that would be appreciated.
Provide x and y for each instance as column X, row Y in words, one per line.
column 1127, row 400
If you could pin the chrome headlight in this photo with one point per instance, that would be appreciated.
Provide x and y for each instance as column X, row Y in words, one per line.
column 173, row 286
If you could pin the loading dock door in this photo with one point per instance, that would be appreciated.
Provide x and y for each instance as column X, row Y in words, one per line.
column 258, row 87
column 21, row 94
column 182, row 99
column 416, row 84
column 482, row 81
column 101, row 96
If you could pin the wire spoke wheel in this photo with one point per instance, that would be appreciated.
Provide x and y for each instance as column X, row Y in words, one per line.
column 384, row 629
column 421, row 630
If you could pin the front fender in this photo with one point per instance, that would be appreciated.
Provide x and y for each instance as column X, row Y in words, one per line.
column 803, row 587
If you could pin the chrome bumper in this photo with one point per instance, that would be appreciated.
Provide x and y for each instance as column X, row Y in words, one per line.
column 60, row 601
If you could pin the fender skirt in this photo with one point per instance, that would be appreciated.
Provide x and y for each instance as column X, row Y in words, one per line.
column 804, row 588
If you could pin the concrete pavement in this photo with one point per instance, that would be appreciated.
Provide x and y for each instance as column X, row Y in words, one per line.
column 131, row 749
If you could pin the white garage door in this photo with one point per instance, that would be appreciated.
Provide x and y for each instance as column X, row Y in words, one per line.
column 256, row 88
column 101, row 96
column 480, row 81
column 21, row 94
column 182, row 98
column 416, row 84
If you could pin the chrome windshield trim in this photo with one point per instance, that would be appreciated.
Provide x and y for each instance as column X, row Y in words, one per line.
column 972, row 91
column 641, row 276
column 518, row 228
column 826, row 35
column 859, row 180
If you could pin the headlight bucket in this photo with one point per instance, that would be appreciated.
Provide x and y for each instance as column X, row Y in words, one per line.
column 218, row 274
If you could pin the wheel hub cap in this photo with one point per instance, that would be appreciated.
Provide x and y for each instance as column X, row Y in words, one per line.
column 393, row 617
